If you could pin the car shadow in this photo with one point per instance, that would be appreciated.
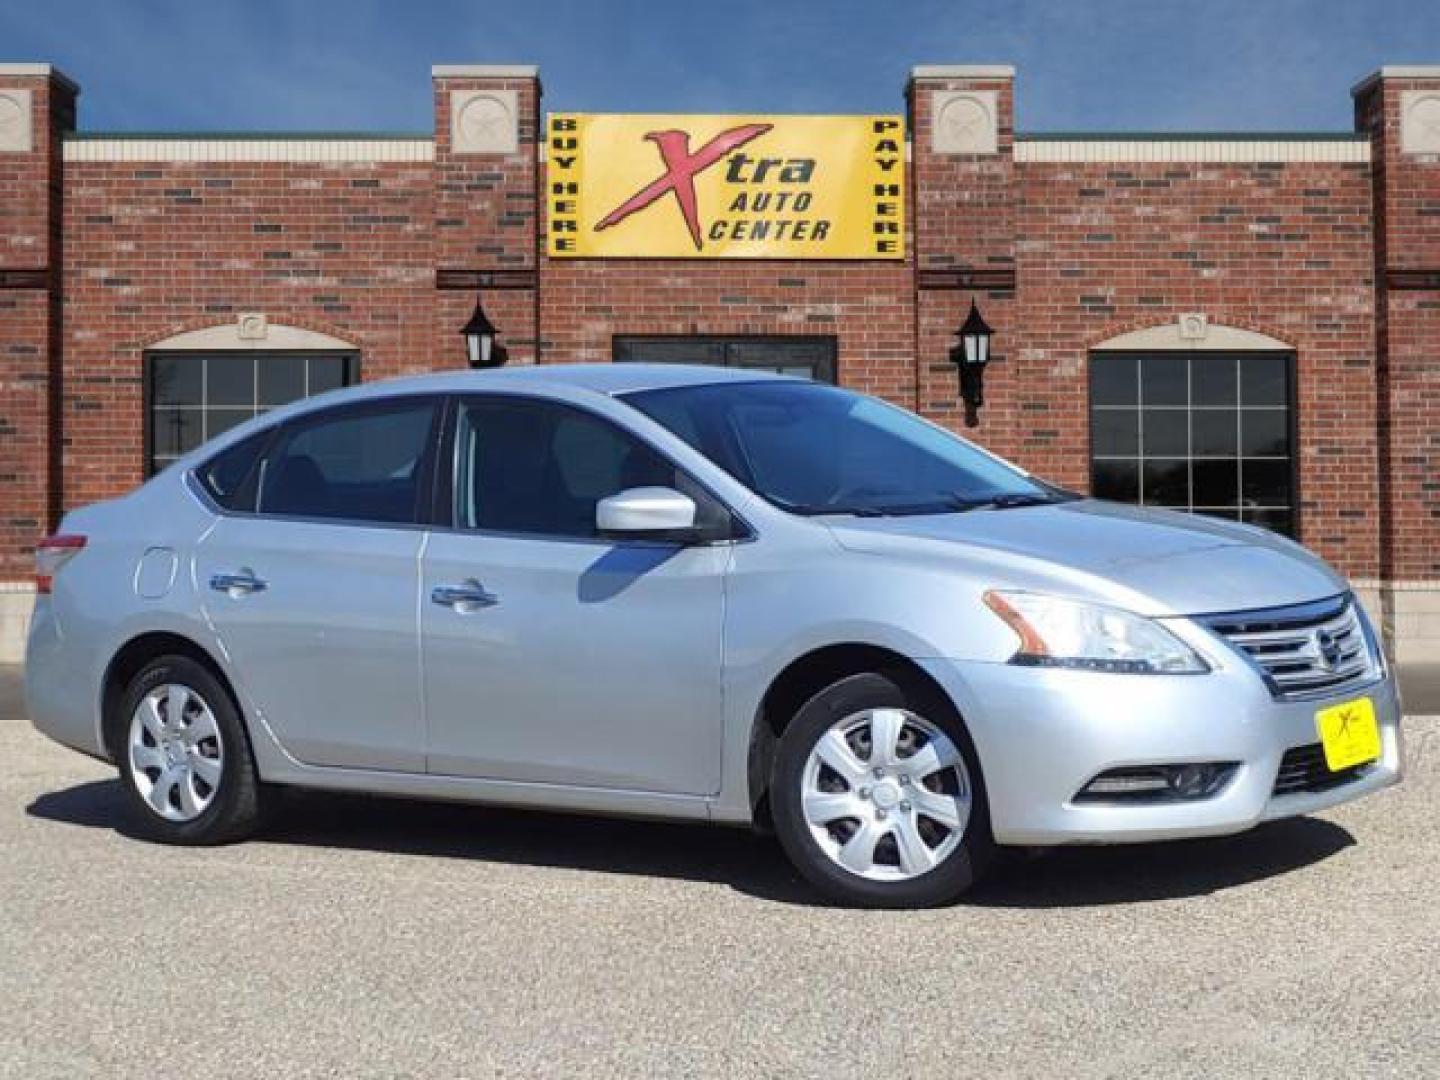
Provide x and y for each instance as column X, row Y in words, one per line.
column 737, row 858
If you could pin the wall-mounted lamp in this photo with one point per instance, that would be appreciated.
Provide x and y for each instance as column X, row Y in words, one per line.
column 482, row 349
column 971, row 355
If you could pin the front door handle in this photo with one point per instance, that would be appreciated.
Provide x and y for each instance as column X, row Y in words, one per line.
column 238, row 584
column 466, row 597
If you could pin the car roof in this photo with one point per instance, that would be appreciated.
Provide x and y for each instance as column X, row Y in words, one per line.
column 603, row 378
column 558, row 380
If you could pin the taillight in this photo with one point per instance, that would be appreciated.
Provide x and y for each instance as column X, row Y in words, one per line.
column 52, row 553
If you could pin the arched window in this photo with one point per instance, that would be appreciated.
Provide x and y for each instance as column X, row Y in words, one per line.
column 202, row 383
column 1204, row 427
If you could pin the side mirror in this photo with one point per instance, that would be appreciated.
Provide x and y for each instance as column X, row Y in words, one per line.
column 646, row 512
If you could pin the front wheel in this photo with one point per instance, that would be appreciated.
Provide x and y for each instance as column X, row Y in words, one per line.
column 184, row 757
column 877, row 795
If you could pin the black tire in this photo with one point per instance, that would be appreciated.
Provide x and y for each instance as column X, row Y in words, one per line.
column 948, row 879
column 238, row 800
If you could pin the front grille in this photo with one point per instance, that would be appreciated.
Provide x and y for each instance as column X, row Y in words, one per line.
column 1303, row 768
column 1302, row 650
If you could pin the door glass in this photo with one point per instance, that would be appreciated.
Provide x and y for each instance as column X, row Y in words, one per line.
column 361, row 464
column 536, row 467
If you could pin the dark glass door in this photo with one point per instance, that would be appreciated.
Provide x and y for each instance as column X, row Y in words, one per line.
column 807, row 357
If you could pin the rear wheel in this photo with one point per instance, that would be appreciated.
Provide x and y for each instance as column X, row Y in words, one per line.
column 877, row 795
column 184, row 757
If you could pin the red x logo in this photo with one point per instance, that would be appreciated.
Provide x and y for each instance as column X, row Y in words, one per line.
column 1345, row 718
column 681, row 168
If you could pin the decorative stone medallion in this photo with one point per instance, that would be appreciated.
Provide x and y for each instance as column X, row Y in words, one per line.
column 1194, row 326
column 16, row 135
column 1420, row 121
column 252, row 326
column 484, row 122
column 965, row 122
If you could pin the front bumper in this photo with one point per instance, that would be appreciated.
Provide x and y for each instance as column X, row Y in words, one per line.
column 1042, row 734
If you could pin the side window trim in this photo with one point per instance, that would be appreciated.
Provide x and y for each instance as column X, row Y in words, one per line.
column 444, row 510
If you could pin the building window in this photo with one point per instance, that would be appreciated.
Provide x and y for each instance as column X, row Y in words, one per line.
column 192, row 397
column 808, row 357
column 1207, row 432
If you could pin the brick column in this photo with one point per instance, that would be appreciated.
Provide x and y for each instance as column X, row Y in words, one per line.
column 37, row 105
column 486, row 236
column 963, row 207
column 1400, row 108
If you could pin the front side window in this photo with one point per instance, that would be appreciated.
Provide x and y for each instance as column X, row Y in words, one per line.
column 1208, row 433
column 538, row 467
column 813, row 449
column 195, row 396
column 361, row 463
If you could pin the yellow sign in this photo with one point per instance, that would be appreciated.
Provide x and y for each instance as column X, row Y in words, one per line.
column 727, row 187
column 1349, row 734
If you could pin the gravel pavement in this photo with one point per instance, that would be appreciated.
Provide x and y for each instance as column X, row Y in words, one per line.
column 371, row 938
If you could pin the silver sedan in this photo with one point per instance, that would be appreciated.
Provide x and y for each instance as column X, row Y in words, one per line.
column 698, row 594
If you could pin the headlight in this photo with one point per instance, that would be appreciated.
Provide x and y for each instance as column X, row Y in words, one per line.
column 1091, row 637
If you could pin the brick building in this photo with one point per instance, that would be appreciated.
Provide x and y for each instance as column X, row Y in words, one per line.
column 1236, row 324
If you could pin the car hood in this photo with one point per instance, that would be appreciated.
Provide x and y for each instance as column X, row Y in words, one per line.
column 1156, row 561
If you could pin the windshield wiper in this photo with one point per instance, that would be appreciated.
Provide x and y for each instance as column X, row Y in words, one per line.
column 819, row 509
column 1010, row 500
column 946, row 503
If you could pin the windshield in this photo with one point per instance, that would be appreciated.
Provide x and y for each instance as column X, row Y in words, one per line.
column 813, row 449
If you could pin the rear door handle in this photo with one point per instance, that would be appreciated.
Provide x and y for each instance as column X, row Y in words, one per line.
column 468, row 596
column 238, row 584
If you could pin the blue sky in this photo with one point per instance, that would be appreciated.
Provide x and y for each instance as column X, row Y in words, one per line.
column 364, row 64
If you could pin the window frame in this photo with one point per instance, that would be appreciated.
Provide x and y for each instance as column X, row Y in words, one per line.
column 350, row 358
column 1292, row 425
column 442, row 511
column 827, row 371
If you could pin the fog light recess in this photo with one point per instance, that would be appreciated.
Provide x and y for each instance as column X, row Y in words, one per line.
column 1183, row 782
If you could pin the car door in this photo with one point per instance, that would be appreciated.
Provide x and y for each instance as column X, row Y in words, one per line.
column 550, row 654
column 313, row 594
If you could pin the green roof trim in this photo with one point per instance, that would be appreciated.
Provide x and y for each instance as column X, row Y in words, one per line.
column 1191, row 136
column 250, row 136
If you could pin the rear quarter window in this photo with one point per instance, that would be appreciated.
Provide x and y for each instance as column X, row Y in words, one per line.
column 229, row 476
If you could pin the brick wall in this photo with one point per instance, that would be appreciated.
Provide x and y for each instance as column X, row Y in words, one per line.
column 1061, row 256
column 30, row 258
column 1101, row 248
column 866, row 306
column 1407, row 258
column 965, row 232
column 1283, row 249
column 486, row 216
column 157, row 248
column 1407, row 255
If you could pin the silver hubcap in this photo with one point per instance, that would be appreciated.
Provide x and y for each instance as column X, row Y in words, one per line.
column 886, row 794
column 176, row 753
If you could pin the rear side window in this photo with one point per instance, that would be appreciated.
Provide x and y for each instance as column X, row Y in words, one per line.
column 361, row 463
column 227, row 476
